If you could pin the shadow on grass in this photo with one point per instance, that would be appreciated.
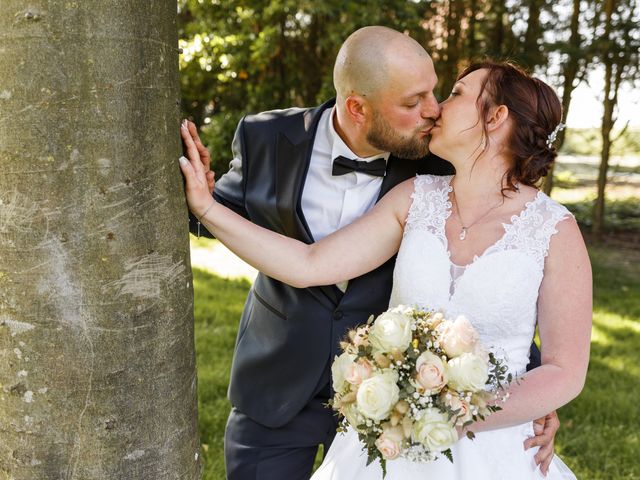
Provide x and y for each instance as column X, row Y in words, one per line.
column 217, row 307
column 599, row 436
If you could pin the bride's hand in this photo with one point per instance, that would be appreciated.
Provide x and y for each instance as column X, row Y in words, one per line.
column 199, row 180
column 205, row 156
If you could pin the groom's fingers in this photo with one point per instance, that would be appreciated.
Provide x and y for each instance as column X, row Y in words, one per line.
column 544, row 457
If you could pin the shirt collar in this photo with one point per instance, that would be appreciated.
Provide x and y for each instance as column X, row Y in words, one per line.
column 338, row 147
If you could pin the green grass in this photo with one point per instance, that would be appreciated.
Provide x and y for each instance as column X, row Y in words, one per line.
column 599, row 438
column 217, row 308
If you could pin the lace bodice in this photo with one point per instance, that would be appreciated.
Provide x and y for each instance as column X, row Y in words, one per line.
column 498, row 291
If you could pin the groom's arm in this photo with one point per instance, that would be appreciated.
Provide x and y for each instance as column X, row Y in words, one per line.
column 230, row 188
column 546, row 427
column 535, row 360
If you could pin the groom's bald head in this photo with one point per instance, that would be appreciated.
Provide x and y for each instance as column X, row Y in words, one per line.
column 368, row 57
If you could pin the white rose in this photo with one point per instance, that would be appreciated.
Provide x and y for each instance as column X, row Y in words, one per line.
column 457, row 337
column 378, row 395
column 352, row 415
column 339, row 370
column 431, row 372
column 391, row 331
column 434, row 430
column 468, row 372
column 389, row 443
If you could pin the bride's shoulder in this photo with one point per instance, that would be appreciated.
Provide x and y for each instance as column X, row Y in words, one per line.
column 554, row 209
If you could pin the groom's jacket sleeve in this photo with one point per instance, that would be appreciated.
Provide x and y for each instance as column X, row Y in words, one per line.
column 230, row 188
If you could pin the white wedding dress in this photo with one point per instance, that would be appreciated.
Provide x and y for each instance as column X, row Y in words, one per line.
column 498, row 293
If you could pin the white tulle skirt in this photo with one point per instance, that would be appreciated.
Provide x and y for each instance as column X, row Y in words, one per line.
column 493, row 455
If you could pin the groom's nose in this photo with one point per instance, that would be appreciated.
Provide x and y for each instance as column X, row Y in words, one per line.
column 431, row 108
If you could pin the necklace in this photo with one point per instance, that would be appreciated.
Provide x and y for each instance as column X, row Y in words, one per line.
column 465, row 228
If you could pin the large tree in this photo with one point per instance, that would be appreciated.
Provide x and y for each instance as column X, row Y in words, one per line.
column 97, row 365
column 618, row 50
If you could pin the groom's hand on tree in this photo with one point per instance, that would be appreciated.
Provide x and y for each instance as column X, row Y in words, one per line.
column 205, row 157
column 545, row 430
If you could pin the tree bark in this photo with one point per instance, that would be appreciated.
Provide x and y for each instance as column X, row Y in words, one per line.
column 97, row 364
column 531, row 55
column 612, row 74
column 570, row 73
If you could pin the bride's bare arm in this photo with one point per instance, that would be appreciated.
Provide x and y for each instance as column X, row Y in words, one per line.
column 351, row 251
column 564, row 322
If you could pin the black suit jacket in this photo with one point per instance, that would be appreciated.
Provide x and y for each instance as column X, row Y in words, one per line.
column 288, row 336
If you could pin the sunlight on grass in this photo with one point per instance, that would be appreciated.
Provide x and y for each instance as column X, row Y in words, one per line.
column 599, row 436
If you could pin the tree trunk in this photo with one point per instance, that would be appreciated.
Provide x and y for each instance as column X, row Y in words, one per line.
column 449, row 68
column 471, row 32
column 97, row 365
column 610, row 98
column 569, row 73
column 531, row 56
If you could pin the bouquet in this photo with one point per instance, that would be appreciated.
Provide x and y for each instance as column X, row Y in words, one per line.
column 406, row 381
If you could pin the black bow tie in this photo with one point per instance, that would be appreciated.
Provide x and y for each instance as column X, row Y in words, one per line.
column 343, row 165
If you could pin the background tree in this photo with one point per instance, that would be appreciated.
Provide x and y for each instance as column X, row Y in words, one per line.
column 617, row 49
column 574, row 60
column 97, row 374
column 253, row 55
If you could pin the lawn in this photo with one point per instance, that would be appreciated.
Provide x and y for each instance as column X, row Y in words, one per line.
column 599, row 437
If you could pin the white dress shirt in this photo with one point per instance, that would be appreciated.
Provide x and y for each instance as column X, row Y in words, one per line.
column 331, row 202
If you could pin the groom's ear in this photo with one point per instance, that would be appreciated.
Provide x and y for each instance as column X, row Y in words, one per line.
column 355, row 106
column 497, row 116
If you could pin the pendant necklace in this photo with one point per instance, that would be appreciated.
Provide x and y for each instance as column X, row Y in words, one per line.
column 465, row 228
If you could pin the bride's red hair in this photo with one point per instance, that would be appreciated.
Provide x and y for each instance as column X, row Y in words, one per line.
column 535, row 110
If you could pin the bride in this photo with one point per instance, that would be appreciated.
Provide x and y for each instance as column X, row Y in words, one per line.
column 484, row 243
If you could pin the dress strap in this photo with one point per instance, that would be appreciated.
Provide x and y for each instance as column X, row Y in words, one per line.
column 531, row 231
column 431, row 206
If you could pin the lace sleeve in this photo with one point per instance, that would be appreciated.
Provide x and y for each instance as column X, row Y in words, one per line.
column 430, row 207
column 533, row 229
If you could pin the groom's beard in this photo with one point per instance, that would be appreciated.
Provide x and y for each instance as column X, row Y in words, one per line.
column 383, row 137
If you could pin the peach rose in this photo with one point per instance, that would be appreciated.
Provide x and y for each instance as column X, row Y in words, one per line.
column 389, row 443
column 358, row 371
column 454, row 402
column 431, row 372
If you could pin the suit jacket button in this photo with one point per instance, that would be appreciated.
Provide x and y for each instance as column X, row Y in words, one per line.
column 337, row 315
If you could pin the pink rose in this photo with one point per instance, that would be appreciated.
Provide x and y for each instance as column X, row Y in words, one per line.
column 431, row 372
column 358, row 371
column 457, row 337
column 389, row 442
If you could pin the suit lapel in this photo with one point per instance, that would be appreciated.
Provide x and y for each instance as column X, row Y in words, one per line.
column 291, row 167
column 398, row 170
column 293, row 154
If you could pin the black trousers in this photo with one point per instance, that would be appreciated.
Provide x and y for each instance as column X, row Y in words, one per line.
column 255, row 452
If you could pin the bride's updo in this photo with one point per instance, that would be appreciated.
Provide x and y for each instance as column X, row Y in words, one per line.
column 535, row 111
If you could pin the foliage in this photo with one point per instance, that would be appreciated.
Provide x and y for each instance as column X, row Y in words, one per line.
column 620, row 215
column 250, row 56
column 598, row 437
column 588, row 141
column 255, row 55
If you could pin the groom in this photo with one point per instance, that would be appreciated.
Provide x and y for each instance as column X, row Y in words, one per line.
column 305, row 173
